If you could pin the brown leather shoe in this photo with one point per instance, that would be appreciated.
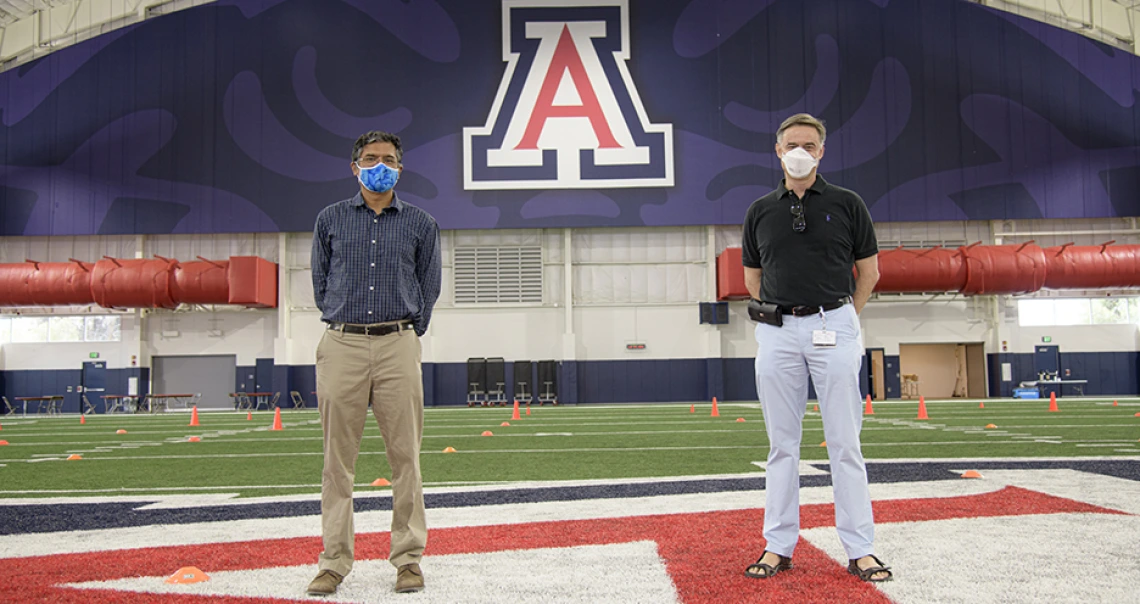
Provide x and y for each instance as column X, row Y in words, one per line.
column 409, row 578
column 325, row 584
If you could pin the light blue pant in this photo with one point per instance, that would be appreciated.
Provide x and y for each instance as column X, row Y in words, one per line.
column 783, row 361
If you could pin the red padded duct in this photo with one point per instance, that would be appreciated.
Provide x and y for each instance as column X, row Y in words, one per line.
column 253, row 282
column 133, row 283
column 730, row 275
column 136, row 283
column 1092, row 266
column 916, row 271
column 981, row 269
column 42, row 283
column 201, row 282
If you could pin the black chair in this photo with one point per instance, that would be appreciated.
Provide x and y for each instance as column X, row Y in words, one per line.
column 548, row 382
column 524, row 380
column 496, row 381
column 476, row 382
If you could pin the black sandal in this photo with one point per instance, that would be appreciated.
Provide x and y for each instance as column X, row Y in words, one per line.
column 868, row 574
column 760, row 570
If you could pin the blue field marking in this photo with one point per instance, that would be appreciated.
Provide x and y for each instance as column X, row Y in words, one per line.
column 46, row 518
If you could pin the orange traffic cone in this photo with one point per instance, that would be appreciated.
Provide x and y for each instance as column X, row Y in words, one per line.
column 1053, row 401
column 815, row 407
column 449, row 449
column 528, row 407
column 1115, row 404
column 82, row 419
column 922, row 408
column 3, row 442
column 869, row 410
column 692, row 408
column 488, row 433
column 194, row 416
column 277, row 420
column 715, row 412
column 516, row 415
column 248, row 415
column 381, row 482
column 982, row 405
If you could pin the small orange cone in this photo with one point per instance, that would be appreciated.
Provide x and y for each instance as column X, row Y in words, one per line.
column 1, row 426
column 739, row 419
column 528, row 407
column 1053, row 402
column 194, row 439
column 194, row 416
column 515, row 414
column 823, row 444
column 922, row 408
column 277, row 420
column 449, row 450
column 82, row 419
column 188, row 574
column 868, row 410
column 505, row 424
column 74, row 456
column 715, row 412
column 971, row 474
column 982, row 405
column 3, row 442
column 120, row 431
column 248, row 415
column 692, row 408
column 381, row 482
column 1115, row 404
column 1137, row 415
column 990, row 426
column 815, row 407
column 487, row 433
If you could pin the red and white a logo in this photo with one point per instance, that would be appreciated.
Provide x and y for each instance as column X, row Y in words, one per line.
column 567, row 114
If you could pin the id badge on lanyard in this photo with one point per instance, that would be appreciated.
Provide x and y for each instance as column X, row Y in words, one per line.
column 823, row 337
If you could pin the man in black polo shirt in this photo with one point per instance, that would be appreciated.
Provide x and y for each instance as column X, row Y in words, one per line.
column 800, row 243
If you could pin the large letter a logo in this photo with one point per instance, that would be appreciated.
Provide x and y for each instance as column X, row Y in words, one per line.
column 567, row 114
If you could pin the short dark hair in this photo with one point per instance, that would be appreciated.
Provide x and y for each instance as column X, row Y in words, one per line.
column 377, row 136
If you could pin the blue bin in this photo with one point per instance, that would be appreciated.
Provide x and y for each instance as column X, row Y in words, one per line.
column 1026, row 393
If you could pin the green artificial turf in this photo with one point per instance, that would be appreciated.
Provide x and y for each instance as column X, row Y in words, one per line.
column 584, row 442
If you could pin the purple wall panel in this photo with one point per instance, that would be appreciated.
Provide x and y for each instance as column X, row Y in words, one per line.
column 239, row 116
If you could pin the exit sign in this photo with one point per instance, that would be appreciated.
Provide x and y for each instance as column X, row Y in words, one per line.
column 1046, row 339
column 94, row 355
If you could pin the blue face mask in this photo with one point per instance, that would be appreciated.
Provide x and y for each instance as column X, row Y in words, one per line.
column 379, row 178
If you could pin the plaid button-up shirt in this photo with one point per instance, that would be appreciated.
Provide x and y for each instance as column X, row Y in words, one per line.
column 373, row 268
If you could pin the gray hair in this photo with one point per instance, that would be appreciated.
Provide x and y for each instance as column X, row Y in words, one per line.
column 802, row 119
column 377, row 136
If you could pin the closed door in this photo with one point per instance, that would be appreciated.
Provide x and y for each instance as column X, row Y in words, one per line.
column 210, row 376
column 95, row 377
column 878, row 377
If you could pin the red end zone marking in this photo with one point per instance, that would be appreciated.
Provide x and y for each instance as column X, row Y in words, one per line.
column 705, row 553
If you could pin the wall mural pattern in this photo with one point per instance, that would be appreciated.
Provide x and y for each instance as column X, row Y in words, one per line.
column 239, row 116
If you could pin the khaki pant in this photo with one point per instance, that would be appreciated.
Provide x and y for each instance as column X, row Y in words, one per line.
column 353, row 370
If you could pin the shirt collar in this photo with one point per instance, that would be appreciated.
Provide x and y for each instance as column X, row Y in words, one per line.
column 819, row 186
column 397, row 203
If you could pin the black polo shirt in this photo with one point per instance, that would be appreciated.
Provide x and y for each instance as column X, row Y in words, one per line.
column 811, row 268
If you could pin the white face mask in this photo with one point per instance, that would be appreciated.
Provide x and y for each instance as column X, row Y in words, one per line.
column 798, row 162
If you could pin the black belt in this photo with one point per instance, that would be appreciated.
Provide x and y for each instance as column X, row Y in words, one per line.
column 370, row 330
column 807, row 311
